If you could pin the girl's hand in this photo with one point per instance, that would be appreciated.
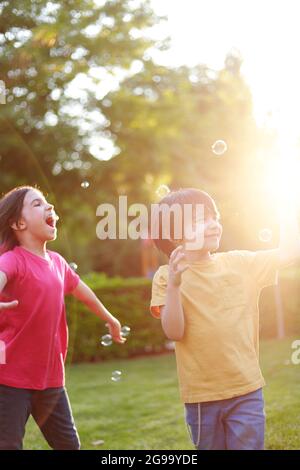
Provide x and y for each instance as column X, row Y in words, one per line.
column 114, row 327
column 176, row 267
column 6, row 305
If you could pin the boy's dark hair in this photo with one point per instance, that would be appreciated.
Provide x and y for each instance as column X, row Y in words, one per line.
column 181, row 197
column 11, row 205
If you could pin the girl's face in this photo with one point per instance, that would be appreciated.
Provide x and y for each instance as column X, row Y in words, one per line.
column 38, row 217
column 209, row 230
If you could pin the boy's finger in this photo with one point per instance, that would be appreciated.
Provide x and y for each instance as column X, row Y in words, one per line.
column 178, row 258
column 120, row 340
column 174, row 252
column 178, row 254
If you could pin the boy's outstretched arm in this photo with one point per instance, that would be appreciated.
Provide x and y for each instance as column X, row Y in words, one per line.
column 83, row 293
column 289, row 244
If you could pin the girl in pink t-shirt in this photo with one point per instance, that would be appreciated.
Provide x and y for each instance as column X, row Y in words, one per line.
column 33, row 329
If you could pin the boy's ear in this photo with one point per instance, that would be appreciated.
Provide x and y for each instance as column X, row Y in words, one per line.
column 20, row 225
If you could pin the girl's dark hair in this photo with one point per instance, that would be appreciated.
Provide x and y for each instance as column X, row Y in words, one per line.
column 11, row 205
column 181, row 196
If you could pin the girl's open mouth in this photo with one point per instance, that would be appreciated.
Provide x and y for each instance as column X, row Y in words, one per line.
column 51, row 220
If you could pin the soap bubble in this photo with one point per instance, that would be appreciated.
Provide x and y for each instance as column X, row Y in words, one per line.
column 106, row 340
column 265, row 235
column 170, row 345
column 116, row 375
column 73, row 266
column 219, row 147
column 125, row 330
column 162, row 191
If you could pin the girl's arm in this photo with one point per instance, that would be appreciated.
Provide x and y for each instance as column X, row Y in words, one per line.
column 83, row 293
column 172, row 317
column 4, row 305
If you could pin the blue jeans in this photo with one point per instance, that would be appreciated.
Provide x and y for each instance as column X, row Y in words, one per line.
column 50, row 409
column 233, row 424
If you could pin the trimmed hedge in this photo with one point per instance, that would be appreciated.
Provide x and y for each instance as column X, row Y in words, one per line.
column 128, row 299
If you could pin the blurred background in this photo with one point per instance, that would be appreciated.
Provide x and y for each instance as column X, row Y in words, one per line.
column 115, row 97
column 100, row 99
column 119, row 97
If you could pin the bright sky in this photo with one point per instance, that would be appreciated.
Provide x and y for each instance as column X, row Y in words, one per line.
column 267, row 34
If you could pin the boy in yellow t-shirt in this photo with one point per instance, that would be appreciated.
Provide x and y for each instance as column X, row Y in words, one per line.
column 208, row 305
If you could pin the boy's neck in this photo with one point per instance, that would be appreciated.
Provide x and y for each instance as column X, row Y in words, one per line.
column 194, row 256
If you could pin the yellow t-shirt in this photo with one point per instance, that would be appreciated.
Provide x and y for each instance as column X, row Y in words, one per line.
column 218, row 355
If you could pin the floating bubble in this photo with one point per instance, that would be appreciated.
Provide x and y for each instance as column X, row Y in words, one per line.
column 162, row 191
column 265, row 235
column 73, row 266
column 106, row 340
column 85, row 184
column 219, row 147
column 170, row 345
column 116, row 375
column 156, row 78
column 125, row 330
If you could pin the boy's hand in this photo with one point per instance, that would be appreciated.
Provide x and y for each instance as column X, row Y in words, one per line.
column 7, row 305
column 176, row 267
column 114, row 327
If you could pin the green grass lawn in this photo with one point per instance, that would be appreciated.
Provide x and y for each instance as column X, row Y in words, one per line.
column 143, row 410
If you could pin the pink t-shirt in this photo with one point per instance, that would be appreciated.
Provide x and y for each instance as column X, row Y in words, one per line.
column 34, row 335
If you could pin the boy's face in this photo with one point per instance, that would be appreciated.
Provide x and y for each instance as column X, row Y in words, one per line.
column 207, row 232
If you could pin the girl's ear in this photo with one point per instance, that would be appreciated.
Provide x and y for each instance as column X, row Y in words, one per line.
column 20, row 225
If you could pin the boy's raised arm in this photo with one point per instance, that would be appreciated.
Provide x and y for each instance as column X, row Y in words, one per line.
column 172, row 317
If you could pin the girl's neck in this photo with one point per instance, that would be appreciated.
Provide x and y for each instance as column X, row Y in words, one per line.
column 36, row 247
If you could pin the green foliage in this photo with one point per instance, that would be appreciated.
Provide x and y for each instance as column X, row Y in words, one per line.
column 55, row 59
column 47, row 126
column 128, row 299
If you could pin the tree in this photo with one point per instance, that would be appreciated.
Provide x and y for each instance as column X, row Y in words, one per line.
column 46, row 48
column 59, row 61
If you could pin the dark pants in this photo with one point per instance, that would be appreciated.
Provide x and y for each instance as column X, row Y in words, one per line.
column 233, row 424
column 50, row 409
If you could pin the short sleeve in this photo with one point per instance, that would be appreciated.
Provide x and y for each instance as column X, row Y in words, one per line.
column 71, row 278
column 159, row 288
column 262, row 266
column 9, row 265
